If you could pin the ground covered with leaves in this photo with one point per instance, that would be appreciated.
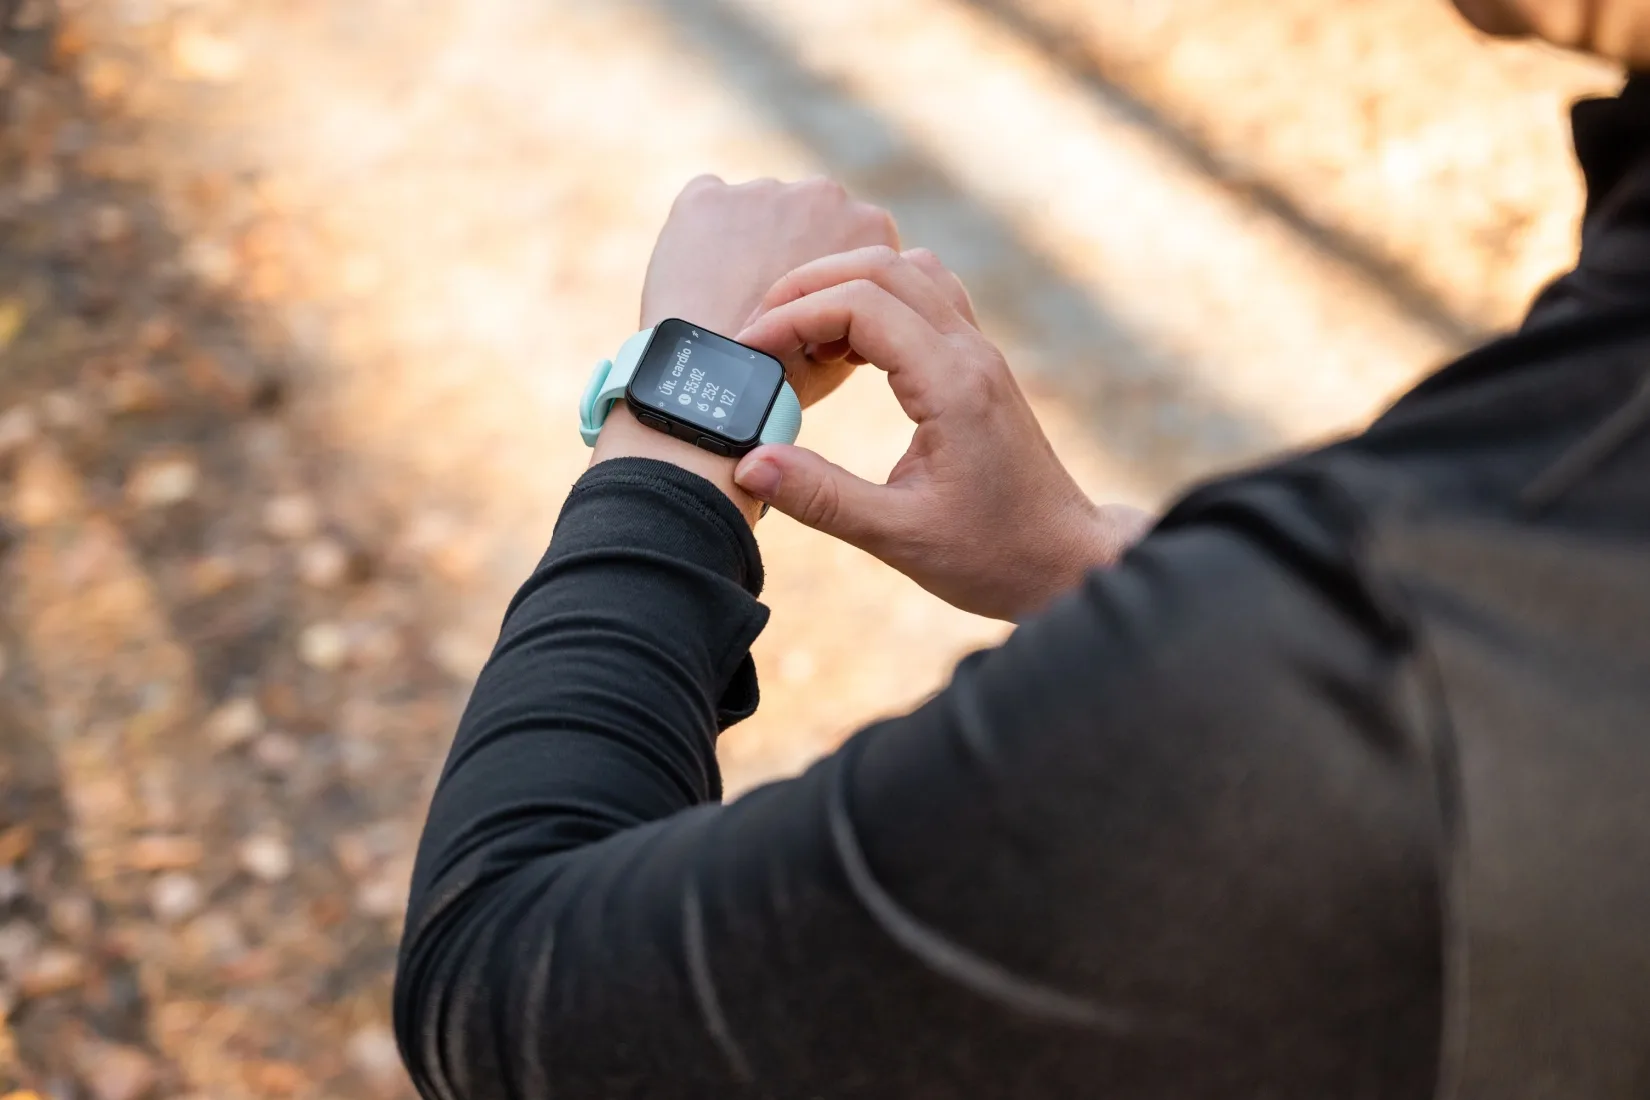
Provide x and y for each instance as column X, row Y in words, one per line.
column 212, row 651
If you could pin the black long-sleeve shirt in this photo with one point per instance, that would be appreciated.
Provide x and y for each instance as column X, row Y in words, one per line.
column 1230, row 820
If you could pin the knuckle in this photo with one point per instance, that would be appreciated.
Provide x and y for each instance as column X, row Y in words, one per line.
column 976, row 389
column 986, row 382
column 880, row 223
column 822, row 504
column 924, row 258
column 787, row 288
column 825, row 187
column 702, row 183
column 880, row 258
column 861, row 291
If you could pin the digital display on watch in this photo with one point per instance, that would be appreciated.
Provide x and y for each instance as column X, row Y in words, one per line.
column 708, row 382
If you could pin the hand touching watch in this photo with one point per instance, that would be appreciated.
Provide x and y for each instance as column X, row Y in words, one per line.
column 720, row 251
column 979, row 511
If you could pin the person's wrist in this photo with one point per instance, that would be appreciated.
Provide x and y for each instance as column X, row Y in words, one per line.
column 1091, row 537
column 1103, row 533
column 623, row 436
column 719, row 319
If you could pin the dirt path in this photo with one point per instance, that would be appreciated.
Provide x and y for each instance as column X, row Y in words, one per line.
column 295, row 298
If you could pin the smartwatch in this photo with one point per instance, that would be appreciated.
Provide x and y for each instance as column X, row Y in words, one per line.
column 688, row 382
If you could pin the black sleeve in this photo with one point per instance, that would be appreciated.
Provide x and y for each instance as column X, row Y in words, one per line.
column 1171, row 840
column 1612, row 275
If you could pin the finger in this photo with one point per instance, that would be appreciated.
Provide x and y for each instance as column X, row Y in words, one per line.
column 876, row 325
column 881, row 224
column 700, row 183
column 820, row 494
column 880, row 265
column 813, row 382
column 947, row 281
column 837, row 351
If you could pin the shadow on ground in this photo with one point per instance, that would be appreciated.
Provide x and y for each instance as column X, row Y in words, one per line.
column 1346, row 247
column 213, row 667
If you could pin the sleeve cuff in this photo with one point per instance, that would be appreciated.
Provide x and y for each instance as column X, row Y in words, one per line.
column 648, row 506
column 734, row 554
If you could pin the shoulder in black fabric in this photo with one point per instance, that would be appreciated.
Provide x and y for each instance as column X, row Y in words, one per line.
column 1512, row 532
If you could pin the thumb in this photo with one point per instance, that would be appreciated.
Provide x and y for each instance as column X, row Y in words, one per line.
column 814, row 492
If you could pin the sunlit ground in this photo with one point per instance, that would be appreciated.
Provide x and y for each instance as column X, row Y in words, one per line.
column 1205, row 231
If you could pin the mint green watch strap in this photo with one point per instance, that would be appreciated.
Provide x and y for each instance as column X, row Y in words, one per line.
column 607, row 384
column 784, row 422
column 611, row 376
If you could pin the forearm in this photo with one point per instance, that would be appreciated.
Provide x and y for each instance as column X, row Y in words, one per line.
column 1024, row 888
column 618, row 663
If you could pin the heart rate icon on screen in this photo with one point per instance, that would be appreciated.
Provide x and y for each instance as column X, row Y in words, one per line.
column 720, row 412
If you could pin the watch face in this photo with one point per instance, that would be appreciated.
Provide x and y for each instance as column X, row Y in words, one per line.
column 706, row 381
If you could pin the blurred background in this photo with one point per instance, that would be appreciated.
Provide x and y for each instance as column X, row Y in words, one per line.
column 297, row 297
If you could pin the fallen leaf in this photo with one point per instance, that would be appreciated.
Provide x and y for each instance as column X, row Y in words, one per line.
column 19, row 946
column 105, row 79
column 384, row 896
column 266, row 858
column 234, row 723
column 323, row 563
column 328, row 911
column 165, row 853
column 53, row 971
column 374, row 1054
column 164, row 481
column 109, row 224
column 133, row 390
column 175, row 897
column 158, row 333
column 211, row 261
column 274, row 1078
column 15, row 843
column 70, row 42
column 18, row 428
column 277, row 753
column 323, row 646
column 63, row 409
column 292, row 516
column 115, row 1072
column 41, row 181
column 72, row 916
column 251, row 968
column 12, row 316
column 213, row 574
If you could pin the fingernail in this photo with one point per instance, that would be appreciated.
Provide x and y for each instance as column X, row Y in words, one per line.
column 760, row 479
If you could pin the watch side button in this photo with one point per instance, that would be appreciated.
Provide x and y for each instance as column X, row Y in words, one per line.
column 658, row 424
column 706, row 443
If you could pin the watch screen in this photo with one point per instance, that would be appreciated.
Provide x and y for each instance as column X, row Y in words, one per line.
column 708, row 381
